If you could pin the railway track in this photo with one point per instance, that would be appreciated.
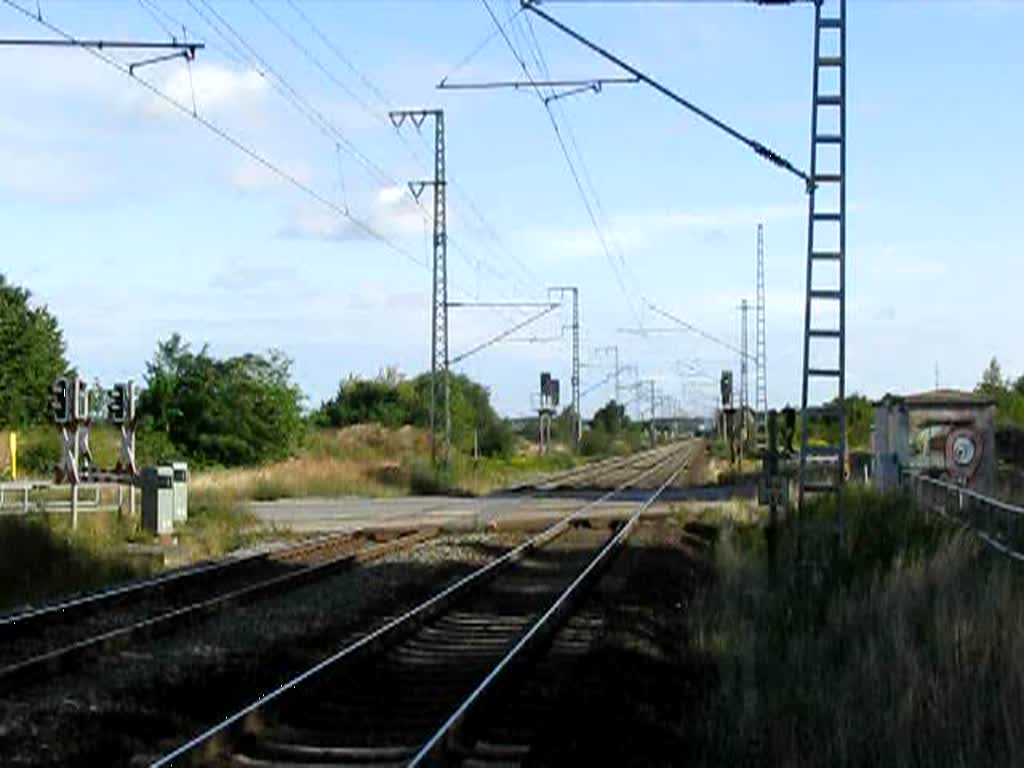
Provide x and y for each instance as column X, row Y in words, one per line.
column 41, row 643
column 605, row 473
column 400, row 694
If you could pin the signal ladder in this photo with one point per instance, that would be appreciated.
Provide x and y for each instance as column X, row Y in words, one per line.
column 822, row 468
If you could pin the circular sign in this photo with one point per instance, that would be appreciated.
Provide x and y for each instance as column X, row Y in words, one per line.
column 963, row 453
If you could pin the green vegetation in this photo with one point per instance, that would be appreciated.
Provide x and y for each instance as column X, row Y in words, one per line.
column 41, row 557
column 370, row 460
column 239, row 410
column 904, row 651
column 1008, row 395
column 31, row 357
column 393, row 401
column 860, row 414
column 611, row 431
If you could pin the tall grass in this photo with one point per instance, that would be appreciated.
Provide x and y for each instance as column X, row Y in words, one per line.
column 906, row 650
column 40, row 556
column 368, row 460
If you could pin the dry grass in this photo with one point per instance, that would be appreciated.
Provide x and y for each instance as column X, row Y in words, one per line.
column 364, row 460
column 41, row 557
column 369, row 460
column 908, row 652
column 307, row 476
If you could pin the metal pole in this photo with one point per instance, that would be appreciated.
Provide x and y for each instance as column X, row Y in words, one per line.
column 441, row 273
column 618, row 387
column 652, row 413
column 440, row 385
column 760, row 346
column 74, row 481
column 560, row 289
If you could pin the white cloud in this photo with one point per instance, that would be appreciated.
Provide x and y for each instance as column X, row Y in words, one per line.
column 392, row 214
column 646, row 229
column 217, row 89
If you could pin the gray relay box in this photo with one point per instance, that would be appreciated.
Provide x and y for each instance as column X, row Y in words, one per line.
column 180, row 483
column 158, row 500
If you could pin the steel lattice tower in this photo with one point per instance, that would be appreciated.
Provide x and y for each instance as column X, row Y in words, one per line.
column 744, row 358
column 825, row 310
column 575, row 291
column 440, row 383
column 760, row 346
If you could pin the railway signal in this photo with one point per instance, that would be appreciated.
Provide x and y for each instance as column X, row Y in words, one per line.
column 59, row 401
column 121, row 408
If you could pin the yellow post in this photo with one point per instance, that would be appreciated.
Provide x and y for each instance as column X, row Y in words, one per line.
column 13, row 444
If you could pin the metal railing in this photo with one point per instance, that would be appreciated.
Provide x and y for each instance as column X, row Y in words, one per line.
column 16, row 497
column 997, row 523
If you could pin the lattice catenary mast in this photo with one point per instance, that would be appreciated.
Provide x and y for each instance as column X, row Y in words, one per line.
column 825, row 309
column 440, row 394
column 760, row 348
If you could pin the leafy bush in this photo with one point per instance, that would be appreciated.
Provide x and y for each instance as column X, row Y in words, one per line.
column 233, row 411
column 596, row 442
column 392, row 401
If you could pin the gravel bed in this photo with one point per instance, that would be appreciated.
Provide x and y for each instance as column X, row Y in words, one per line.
column 141, row 702
column 619, row 683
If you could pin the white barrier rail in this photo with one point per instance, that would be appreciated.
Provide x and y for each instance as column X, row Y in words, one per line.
column 997, row 523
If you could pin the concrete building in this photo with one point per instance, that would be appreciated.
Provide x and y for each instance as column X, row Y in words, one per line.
column 944, row 433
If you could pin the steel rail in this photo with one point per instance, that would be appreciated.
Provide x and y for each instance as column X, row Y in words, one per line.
column 73, row 654
column 206, row 743
column 93, row 601
column 547, row 621
column 581, row 480
column 613, row 462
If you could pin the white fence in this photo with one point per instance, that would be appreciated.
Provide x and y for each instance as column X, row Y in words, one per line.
column 997, row 523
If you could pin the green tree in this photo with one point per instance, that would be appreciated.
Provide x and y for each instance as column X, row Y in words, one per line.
column 232, row 411
column 31, row 357
column 611, row 418
column 860, row 415
column 386, row 400
column 993, row 382
column 393, row 401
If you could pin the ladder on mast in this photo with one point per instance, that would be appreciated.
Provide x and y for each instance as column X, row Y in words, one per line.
column 760, row 352
column 823, row 468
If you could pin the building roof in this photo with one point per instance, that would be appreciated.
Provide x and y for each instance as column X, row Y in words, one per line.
column 939, row 398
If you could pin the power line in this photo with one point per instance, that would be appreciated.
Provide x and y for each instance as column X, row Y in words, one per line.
column 759, row 148
column 379, row 93
column 702, row 333
column 562, row 145
column 222, row 134
column 314, row 115
column 539, row 57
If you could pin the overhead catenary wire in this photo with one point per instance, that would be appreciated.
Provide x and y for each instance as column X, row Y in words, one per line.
column 322, row 123
column 453, row 181
column 584, row 170
column 222, row 27
column 290, row 92
column 503, row 335
column 222, row 134
column 562, row 145
column 694, row 329
column 762, row 150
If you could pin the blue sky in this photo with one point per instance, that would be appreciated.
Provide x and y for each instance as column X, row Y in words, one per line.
column 131, row 221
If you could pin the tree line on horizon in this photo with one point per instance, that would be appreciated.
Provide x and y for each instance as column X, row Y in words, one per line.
column 238, row 410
